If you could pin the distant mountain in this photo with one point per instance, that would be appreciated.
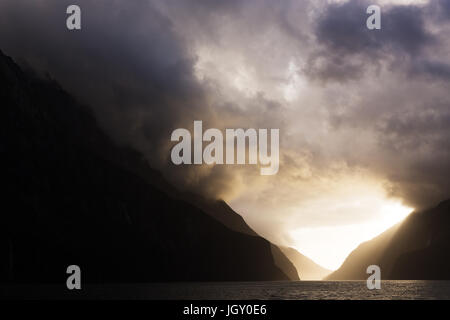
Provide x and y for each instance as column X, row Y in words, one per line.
column 284, row 263
column 418, row 249
column 218, row 209
column 307, row 269
column 223, row 213
column 71, row 196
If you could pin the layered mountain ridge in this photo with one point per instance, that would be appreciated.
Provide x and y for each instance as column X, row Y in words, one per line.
column 75, row 197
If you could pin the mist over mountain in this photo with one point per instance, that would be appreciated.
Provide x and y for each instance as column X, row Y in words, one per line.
column 307, row 268
column 418, row 248
column 72, row 196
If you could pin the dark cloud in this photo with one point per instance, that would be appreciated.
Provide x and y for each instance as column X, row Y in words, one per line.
column 341, row 31
column 125, row 61
column 440, row 9
column 434, row 70
column 131, row 66
column 422, row 137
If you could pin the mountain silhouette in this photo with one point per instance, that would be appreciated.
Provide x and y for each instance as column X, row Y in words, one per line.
column 307, row 268
column 416, row 249
column 223, row 213
column 72, row 196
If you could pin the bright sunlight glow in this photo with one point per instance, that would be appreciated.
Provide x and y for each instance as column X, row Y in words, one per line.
column 330, row 245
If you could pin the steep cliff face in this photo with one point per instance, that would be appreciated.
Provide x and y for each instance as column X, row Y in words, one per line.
column 423, row 246
column 73, row 197
column 418, row 248
column 286, row 264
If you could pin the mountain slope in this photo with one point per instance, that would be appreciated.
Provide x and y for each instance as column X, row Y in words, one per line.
column 284, row 263
column 366, row 254
column 74, row 197
column 424, row 246
column 307, row 268
column 418, row 248
column 223, row 213
column 218, row 209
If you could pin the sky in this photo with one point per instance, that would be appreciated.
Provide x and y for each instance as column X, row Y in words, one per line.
column 364, row 115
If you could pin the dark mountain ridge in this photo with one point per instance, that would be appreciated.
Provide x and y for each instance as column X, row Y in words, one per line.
column 307, row 268
column 74, row 197
column 416, row 249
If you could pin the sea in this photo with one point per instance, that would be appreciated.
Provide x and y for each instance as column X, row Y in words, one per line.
column 276, row 290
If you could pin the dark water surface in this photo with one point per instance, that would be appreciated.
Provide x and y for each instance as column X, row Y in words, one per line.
column 314, row 290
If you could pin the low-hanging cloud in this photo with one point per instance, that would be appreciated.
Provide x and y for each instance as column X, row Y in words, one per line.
column 129, row 64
